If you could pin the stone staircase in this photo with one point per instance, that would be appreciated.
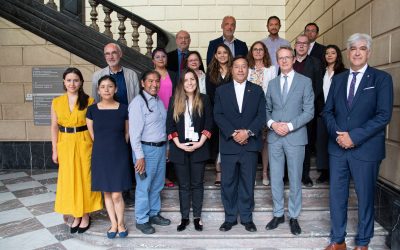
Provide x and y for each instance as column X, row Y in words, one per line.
column 314, row 221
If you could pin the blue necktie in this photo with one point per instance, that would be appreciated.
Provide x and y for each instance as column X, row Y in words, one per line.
column 285, row 89
column 352, row 88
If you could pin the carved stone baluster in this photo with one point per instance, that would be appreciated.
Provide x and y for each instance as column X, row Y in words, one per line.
column 149, row 41
column 51, row 4
column 135, row 35
column 93, row 15
column 107, row 22
column 121, row 28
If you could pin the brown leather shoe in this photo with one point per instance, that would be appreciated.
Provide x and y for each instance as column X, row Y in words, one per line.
column 361, row 248
column 336, row 246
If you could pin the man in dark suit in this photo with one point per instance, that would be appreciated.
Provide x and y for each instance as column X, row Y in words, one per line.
column 176, row 58
column 239, row 112
column 236, row 46
column 308, row 66
column 357, row 110
column 315, row 49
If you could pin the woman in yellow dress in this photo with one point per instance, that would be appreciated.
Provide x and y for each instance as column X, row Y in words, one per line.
column 72, row 149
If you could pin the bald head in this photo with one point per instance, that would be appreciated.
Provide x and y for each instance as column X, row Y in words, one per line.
column 112, row 54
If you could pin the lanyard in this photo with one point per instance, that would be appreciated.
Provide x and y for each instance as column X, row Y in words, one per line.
column 190, row 115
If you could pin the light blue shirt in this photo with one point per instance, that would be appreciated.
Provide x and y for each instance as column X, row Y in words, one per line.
column 272, row 46
column 145, row 125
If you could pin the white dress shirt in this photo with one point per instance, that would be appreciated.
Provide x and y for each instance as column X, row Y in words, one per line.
column 327, row 83
column 290, row 77
column 358, row 79
column 310, row 47
column 239, row 91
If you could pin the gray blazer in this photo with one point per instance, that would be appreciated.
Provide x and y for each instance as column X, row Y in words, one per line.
column 298, row 108
column 131, row 80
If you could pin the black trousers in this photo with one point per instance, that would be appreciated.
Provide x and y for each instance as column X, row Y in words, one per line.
column 237, row 185
column 190, row 177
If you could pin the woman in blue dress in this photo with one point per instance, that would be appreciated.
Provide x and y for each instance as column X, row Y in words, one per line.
column 107, row 122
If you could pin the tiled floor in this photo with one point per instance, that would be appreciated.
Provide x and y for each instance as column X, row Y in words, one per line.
column 27, row 217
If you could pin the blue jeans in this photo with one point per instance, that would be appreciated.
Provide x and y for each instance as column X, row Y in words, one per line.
column 147, row 195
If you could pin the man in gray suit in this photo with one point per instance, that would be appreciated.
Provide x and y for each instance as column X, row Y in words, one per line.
column 290, row 106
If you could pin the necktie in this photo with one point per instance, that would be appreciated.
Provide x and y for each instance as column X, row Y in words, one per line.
column 182, row 61
column 352, row 88
column 285, row 90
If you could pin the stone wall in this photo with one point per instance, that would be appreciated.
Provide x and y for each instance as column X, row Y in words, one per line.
column 337, row 20
column 20, row 50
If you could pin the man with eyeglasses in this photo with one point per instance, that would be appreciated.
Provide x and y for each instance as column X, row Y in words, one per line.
column 127, row 79
column 290, row 106
column 127, row 85
column 310, row 67
column 311, row 30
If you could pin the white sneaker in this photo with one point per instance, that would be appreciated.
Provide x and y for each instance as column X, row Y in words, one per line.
column 265, row 181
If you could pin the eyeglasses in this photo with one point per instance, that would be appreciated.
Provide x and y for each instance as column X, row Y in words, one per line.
column 108, row 54
column 302, row 43
column 160, row 57
column 285, row 58
column 258, row 49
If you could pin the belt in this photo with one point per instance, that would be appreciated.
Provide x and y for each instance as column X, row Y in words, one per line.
column 72, row 129
column 154, row 144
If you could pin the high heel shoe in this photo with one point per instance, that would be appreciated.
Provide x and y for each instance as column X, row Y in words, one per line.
column 197, row 225
column 182, row 226
column 74, row 229
column 81, row 230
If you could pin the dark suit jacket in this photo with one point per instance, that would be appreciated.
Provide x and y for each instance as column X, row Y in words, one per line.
column 201, row 124
column 318, row 51
column 366, row 119
column 174, row 78
column 173, row 61
column 228, row 118
column 312, row 69
column 240, row 48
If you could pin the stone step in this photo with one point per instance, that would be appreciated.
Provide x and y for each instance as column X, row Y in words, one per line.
column 315, row 233
column 313, row 199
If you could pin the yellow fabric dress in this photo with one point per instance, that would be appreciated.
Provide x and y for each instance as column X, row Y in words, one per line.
column 74, row 195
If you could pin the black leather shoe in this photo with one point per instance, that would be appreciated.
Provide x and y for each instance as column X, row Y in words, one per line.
column 324, row 177
column 250, row 226
column 182, row 226
column 74, row 229
column 226, row 226
column 159, row 220
column 197, row 225
column 294, row 227
column 81, row 230
column 146, row 228
column 307, row 182
column 275, row 222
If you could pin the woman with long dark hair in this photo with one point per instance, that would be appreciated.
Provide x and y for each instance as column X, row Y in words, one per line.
column 218, row 73
column 72, row 149
column 334, row 65
column 189, row 125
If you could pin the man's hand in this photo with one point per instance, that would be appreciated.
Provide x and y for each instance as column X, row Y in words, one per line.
column 344, row 140
column 241, row 136
column 281, row 128
column 140, row 166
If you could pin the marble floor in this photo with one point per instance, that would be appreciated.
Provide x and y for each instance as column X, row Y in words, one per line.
column 27, row 217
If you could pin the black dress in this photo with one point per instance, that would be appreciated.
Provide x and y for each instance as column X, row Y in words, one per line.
column 110, row 155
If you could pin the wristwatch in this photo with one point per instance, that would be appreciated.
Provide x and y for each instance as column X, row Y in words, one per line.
column 250, row 133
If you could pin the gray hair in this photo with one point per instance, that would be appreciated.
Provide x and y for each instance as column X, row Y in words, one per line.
column 287, row 48
column 356, row 37
column 116, row 46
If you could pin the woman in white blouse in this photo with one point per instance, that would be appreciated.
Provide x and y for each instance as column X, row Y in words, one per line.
column 194, row 61
column 261, row 71
column 334, row 65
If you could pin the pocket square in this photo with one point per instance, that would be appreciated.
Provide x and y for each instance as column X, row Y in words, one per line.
column 369, row 88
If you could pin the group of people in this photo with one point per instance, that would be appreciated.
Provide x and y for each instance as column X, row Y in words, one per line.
column 285, row 103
